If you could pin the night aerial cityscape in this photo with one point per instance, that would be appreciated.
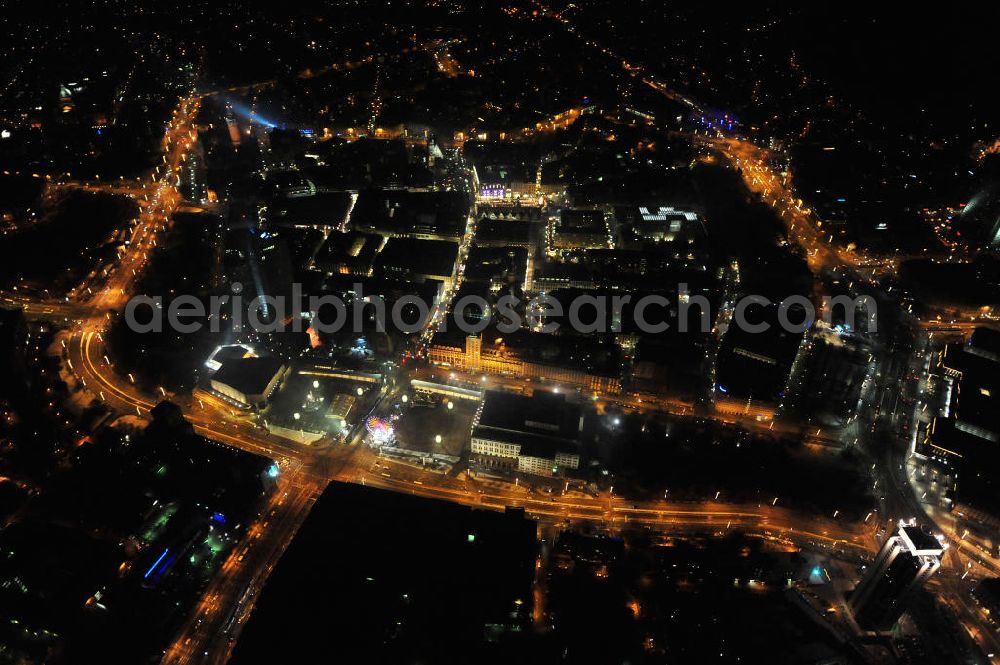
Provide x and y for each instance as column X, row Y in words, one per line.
column 499, row 331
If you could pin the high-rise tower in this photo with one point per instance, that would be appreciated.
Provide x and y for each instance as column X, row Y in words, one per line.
column 905, row 562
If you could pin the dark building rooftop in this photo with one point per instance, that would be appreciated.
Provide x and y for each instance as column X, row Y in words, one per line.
column 365, row 162
column 985, row 342
column 756, row 365
column 579, row 229
column 577, row 221
column 541, row 423
column 499, row 264
column 405, row 213
column 976, row 400
column 250, row 376
column 920, row 541
column 504, row 233
column 349, row 253
column 324, row 209
column 969, row 429
column 411, row 257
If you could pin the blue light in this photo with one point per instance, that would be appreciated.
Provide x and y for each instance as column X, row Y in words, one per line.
column 272, row 471
column 817, row 571
column 219, row 517
column 153, row 567
column 722, row 389
column 246, row 113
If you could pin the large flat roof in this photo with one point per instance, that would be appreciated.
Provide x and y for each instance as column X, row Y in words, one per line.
column 986, row 343
column 418, row 256
column 250, row 376
column 977, row 399
column 919, row 542
column 542, row 423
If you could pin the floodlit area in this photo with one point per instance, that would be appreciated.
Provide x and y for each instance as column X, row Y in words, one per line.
column 315, row 404
column 440, row 427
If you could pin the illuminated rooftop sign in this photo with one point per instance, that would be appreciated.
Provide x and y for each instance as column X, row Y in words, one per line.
column 663, row 213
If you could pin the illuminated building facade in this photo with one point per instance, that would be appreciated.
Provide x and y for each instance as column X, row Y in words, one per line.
column 506, row 362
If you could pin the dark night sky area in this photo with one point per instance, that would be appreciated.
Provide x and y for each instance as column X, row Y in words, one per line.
column 899, row 59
